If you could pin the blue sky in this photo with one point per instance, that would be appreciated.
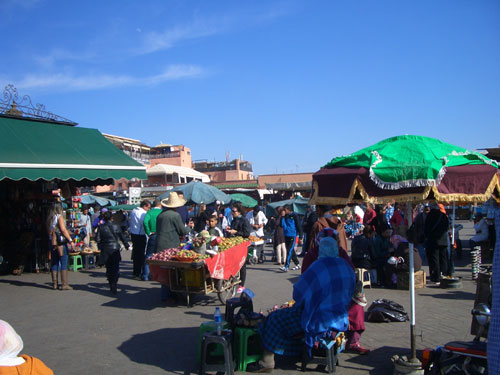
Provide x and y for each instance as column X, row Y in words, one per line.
column 286, row 84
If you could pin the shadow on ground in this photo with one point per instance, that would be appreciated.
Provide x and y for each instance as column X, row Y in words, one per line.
column 170, row 349
column 455, row 294
column 47, row 285
column 378, row 360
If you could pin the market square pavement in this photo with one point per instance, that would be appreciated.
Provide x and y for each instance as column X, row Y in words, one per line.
column 90, row 331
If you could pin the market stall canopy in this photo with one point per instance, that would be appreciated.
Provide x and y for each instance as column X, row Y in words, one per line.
column 198, row 192
column 245, row 200
column 40, row 150
column 407, row 168
column 91, row 199
column 166, row 169
column 291, row 186
column 298, row 204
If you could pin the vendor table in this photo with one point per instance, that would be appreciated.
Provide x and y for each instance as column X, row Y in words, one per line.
column 219, row 273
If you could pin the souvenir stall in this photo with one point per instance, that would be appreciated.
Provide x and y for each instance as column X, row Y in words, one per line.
column 45, row 159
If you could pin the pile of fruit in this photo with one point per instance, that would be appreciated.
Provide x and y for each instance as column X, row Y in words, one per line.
column 254, row 239
column 166, row 254
column 230, row 242
column 187, row 255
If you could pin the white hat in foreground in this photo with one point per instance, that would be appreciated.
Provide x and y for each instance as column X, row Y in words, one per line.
column 173, row 201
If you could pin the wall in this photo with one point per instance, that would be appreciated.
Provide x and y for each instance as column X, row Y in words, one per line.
column 290, row 177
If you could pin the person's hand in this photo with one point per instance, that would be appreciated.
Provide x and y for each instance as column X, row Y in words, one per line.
column 301, row 241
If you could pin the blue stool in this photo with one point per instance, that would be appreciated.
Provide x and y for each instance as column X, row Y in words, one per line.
column 330, row 348
column 211, row 363
column 89, row 261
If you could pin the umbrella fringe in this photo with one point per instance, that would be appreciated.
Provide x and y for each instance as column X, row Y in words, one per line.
column 407, row 183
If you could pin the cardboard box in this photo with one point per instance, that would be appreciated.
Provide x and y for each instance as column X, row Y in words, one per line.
column 404, row 282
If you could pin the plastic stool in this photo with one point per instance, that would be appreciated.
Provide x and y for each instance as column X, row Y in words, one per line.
column 331, row 349
column 232, row 304
column 75, row 262
column 89, row 261
column 362, row 274
column 205, row 328
column 223, row 340
column 247, row 346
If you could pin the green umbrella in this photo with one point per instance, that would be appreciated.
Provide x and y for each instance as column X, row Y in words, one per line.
column 245, row 200
column 409, row 161
column 299, row 206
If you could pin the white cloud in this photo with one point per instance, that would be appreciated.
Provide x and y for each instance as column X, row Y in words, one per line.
column 156, row 41
column 64, row 82
column 58, row 54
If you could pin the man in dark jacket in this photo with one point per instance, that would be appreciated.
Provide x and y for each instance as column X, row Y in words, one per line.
column 292, row 229
column 239, row 227
column 436, row 235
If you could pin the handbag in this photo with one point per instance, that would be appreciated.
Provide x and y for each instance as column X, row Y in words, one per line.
column 60, row 239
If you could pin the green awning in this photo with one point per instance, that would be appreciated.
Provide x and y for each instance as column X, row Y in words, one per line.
column 237, row 185
column 37, row 150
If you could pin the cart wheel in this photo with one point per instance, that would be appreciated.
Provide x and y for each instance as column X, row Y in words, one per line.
column 252, row 260
column 225, row 290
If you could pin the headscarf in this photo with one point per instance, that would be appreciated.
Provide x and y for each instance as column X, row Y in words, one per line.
column 442, row 209
column 397, row 239
column 328, row 248
column 11, row 345
column 327, row 232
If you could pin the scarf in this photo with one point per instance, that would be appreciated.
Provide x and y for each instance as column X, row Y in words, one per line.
column 11, row 345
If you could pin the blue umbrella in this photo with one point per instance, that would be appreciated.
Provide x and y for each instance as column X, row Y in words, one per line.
column 198, row 192
column 91, row 199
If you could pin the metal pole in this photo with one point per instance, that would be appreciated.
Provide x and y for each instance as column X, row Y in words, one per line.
column 412, row 290
column 453, row 227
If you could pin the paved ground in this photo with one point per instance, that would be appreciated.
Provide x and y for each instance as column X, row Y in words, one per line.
column 89, row 331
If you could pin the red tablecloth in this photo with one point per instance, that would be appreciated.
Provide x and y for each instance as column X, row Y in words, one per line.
column 229, row 262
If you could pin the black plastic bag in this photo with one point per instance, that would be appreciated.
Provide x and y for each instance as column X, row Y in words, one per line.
column 385, row 311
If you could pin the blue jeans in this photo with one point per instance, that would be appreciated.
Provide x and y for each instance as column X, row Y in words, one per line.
column 57, row 262
column 421, row 251
column 150, row 249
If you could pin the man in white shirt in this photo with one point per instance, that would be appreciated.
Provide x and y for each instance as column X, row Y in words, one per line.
column 257, row 221
column 87, row 224
column 138, row 235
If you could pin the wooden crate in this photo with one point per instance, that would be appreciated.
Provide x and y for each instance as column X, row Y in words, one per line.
column 404, row 282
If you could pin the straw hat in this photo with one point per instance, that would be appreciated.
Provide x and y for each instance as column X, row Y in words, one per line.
column 173, row 201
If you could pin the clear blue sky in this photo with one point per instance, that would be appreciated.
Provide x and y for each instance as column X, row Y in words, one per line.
column 287, row 84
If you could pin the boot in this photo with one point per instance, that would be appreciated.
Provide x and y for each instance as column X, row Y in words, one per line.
column 64, row 280
column 112, row 287
column 54, row 280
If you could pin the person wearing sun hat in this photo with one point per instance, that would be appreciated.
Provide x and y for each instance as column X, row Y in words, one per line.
column 170, row 229
column 169, row 225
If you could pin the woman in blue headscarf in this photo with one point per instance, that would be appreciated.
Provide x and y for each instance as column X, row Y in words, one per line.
column 322, row 297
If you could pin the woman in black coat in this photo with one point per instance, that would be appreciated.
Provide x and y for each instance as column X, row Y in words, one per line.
column 108, row 236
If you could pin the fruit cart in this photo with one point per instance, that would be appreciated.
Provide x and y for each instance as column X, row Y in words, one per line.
column 218, row 274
